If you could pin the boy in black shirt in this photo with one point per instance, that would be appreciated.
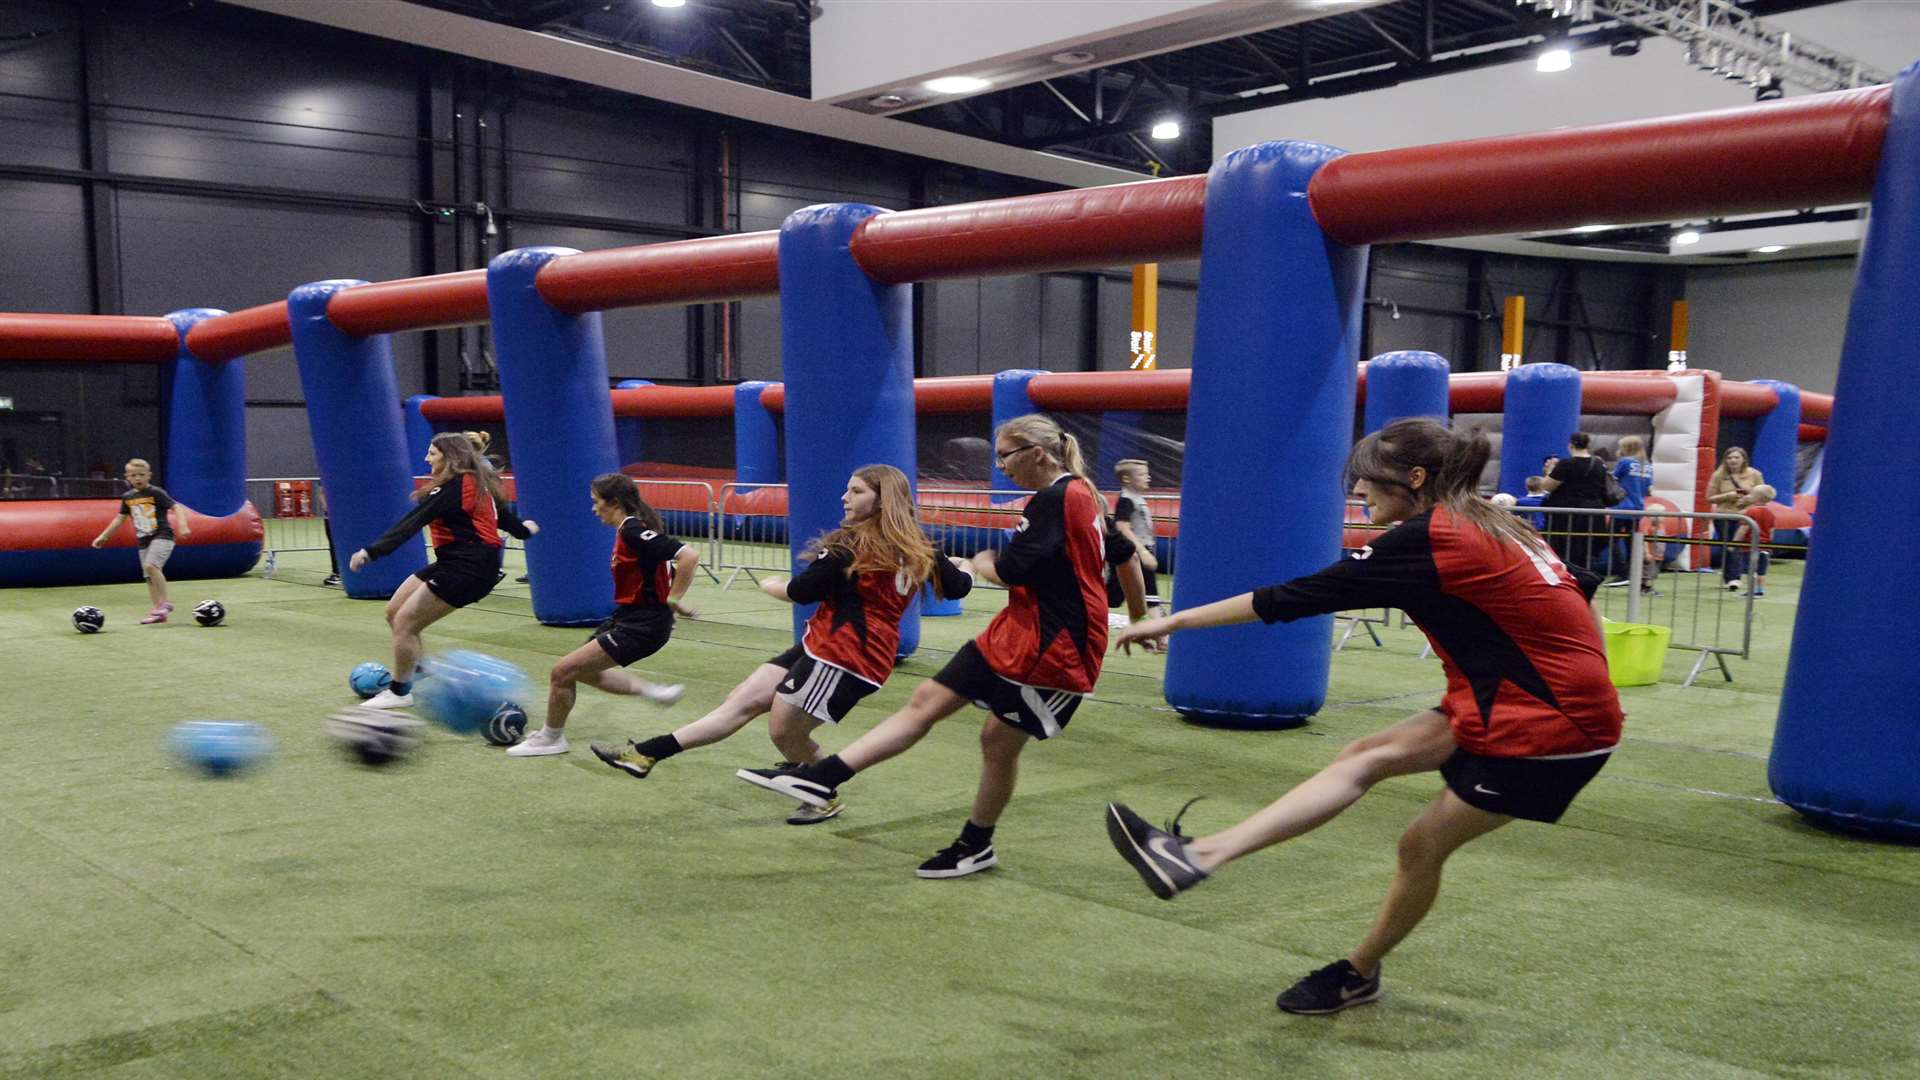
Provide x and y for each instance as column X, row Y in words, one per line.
column 154, row 526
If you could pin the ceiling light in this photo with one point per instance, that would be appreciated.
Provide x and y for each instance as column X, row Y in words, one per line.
column 1771, row 248
column 957, row 84
column 1554, row 60
column 887, row 101
column 1166, row 130
column 1071, row 56
column 1593, row 228
column 1684, row 238
column 669, row 3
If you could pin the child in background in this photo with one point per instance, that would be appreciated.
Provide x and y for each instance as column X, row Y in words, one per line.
column 1635, row 476
column 1132, row 520
column 154, row 525
column 1536, row 494
column 1756, row 504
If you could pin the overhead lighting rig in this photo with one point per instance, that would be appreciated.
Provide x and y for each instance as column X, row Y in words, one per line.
column 1725, row 39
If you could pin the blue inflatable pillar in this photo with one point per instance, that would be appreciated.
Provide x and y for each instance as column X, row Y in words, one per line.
column 847, row 353
column 206, row 410
column 1776, row 440
column 629, row 432
column 1845, row 747
column 1403, row 385
column 756, row 438
column 1269, row 424
column 553, row 378
column 359, row 438
column 1010, row 399
column 1542, row 411
column 420, row 430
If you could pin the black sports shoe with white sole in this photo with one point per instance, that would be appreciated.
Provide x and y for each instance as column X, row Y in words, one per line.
column 1160, row 856
column 790, row 783
column 958, row 860
column 1330, row 989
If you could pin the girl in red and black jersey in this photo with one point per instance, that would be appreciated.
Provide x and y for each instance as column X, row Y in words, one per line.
column 651, row 574
column 1031, row 666
column 1529, row 715
column 863, row 575
column 457, row 508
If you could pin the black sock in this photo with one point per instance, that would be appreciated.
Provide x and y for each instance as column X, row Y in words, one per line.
column 976, row 836
column 660, row 747
column 401, row 688
column 830, row 771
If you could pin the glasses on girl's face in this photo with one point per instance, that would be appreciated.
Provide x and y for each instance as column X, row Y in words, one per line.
column 1000, row 457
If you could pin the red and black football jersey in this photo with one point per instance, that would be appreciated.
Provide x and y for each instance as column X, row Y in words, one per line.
column 1526, row 669
column 642, row 569
column 857, row 625
column 460, row 519
column 1053, row 632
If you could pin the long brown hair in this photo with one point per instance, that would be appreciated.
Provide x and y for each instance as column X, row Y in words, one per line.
column 1039, row 429
column 1453, row 461
column 457, row 456
column 620, row 490
column 1727, row 473
column 889, row 540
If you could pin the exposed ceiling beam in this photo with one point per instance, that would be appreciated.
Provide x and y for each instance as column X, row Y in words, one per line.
column 581, row 62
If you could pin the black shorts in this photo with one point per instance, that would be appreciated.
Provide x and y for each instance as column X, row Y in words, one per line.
column 1117, row 596
column 1036, row 710
column 826, row 692
column 628, row 640
column 1537, row 789
column 789, row 658
column 459, row 582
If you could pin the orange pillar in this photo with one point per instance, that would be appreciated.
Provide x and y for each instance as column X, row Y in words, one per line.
column 1512, row 335
column 1677, row 352
column 1143, row 345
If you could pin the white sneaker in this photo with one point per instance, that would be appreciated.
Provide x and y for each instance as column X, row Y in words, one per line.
column 664, row 696
column 1117, row 621
column 387, row 699
column 539, row 744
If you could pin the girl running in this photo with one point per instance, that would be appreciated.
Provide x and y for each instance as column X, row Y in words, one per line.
column 1030, row 668
column 863, row 575
column 651, row 574
column 457, row 508
column 1529, row 715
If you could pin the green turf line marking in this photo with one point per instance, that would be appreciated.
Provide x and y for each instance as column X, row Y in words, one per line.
column 120, row 1048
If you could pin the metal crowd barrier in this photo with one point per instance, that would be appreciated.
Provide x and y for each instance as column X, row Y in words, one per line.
column 29, row 486
column 750, row 532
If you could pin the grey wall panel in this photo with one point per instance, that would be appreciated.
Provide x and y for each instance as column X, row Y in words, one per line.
column 1063, row 330
column 756, row 350
column 43, row 264
column 585, row 160
column 953, row 328
column 279, row 443
column 265, row 114
column 1781, row 321
column 38, row 132
column 1009, row 323
column 106, row 413
column 1115, row 332
column 1178, row 306
column 642, row 343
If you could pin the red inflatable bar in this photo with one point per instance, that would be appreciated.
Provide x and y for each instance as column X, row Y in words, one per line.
column 1745, row 400
column 1811, row 151
column 933, row 394
column 420, row 303
column 1082, row 229
column 1812, row 433
column 1097, row 391
column 677, row 272
column 249, row 330
column 65, row 524
column 1816, row 408
column 107, row 338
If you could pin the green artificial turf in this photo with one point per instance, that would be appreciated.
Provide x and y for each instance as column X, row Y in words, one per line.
column 467, row 914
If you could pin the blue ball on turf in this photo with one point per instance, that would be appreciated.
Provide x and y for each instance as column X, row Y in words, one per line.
column 369, row 679
column 507, row 725
column 462, row 690
column 220, row 747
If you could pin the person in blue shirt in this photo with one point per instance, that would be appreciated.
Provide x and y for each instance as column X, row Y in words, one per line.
column 1635, row 476
column 1536, row 494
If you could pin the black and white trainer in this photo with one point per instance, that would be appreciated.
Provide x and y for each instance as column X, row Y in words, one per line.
column 1160, row 856
column 1330, row 989
column 790, row 783
column 959, row 859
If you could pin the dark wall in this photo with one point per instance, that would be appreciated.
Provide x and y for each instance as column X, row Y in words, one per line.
column 135, row 178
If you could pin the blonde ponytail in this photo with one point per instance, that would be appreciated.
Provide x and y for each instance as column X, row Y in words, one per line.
column 1039, row 429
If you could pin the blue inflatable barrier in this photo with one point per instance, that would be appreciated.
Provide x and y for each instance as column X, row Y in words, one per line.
column 359, row 438
column 1542, row 410
column 1269, row 424
column 1403, row 385
column 756, row 438
column 553, row 379
column 1776, row 439
column 1846, row 744
column 847, row 352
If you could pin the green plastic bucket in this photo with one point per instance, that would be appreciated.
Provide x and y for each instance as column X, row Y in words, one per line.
column 1636, row 652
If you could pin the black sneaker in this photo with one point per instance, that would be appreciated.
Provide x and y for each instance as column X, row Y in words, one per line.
column 959, row 859
column 521, row 580
column 628, row 759
column 1160, row 856
column 1334, row 987
column 790, row 783
column 331, row 581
